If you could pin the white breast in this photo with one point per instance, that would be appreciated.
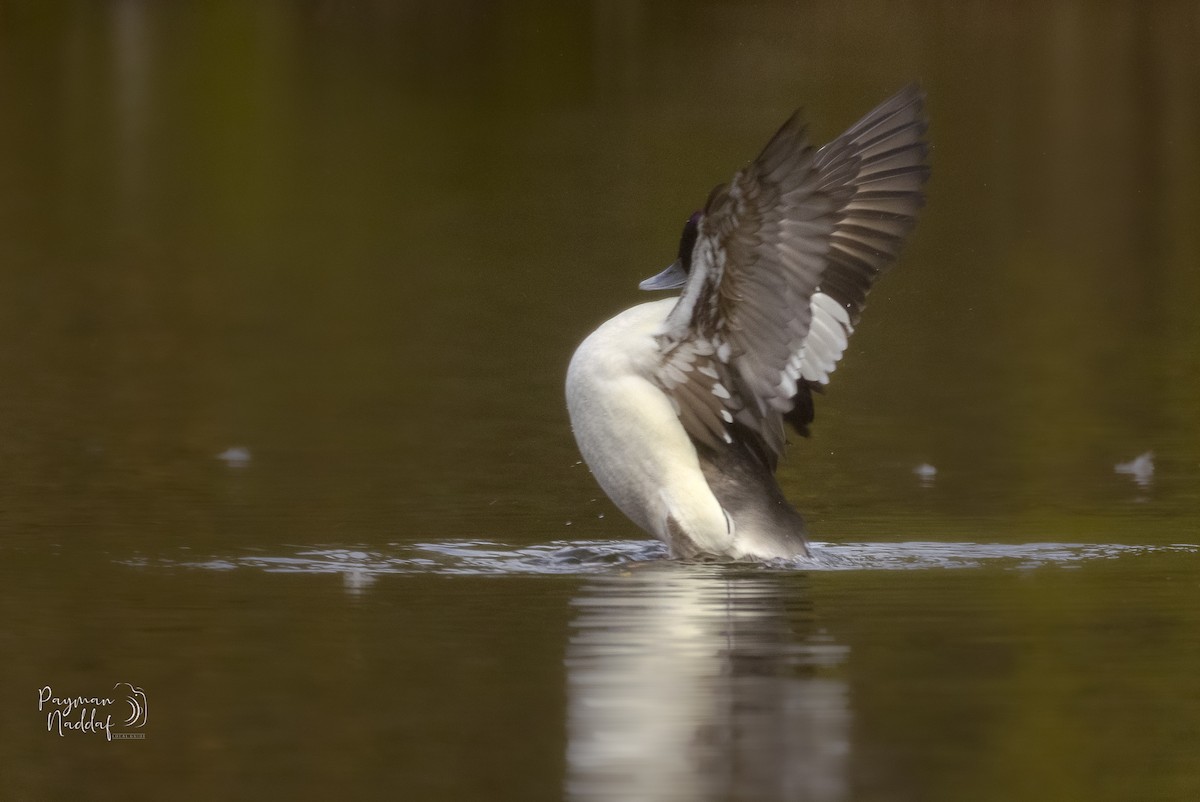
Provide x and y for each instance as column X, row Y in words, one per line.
column 630, row 435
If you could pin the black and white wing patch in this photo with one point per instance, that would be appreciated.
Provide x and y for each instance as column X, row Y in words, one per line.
column 780, row 270
column 698, row 384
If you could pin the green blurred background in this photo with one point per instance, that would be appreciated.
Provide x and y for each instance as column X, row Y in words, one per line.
column 360, row 240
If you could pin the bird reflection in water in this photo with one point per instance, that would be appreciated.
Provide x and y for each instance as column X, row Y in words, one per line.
column 703, row 682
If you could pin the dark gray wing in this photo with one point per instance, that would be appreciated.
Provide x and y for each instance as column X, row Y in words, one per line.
column 890, row 149
column 753, row 328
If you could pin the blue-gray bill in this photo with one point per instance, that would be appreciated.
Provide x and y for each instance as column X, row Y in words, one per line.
column 672, row 278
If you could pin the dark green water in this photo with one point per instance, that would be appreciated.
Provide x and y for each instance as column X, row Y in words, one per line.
column 287, row 292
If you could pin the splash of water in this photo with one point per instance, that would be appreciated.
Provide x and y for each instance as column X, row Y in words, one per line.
column 483, row 557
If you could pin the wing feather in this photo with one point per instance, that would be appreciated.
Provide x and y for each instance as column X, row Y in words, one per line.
column 784, row 258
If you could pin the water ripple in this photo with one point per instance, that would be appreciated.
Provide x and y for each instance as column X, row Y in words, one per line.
column 482, row 557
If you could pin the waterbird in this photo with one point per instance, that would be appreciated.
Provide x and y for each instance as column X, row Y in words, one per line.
column 678, row 405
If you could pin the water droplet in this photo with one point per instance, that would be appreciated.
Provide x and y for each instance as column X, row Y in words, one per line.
column 235, row 456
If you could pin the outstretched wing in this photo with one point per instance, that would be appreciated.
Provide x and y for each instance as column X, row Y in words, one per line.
column 785, row 256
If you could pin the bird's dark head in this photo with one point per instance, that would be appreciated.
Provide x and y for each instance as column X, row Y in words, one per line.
column 676, row 274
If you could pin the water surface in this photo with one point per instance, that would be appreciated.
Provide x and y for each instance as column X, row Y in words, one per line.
column 287, row 291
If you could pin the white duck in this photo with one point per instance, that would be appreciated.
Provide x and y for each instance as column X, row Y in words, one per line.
column 678, row 405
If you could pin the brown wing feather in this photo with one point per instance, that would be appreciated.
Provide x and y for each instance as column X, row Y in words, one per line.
column 890, row 151
column 794, row 221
